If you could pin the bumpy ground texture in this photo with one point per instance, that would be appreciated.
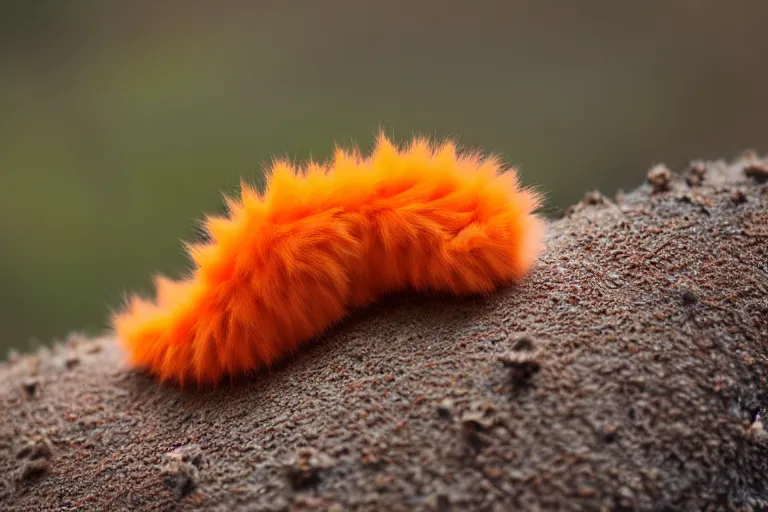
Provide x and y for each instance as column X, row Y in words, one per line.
column 627, row 372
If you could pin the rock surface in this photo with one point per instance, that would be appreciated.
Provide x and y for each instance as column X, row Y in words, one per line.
column 627, row 372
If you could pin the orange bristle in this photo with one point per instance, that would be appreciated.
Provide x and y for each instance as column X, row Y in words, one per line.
column 287, row 264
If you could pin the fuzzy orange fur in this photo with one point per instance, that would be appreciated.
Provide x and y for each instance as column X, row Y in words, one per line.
column 287, row 264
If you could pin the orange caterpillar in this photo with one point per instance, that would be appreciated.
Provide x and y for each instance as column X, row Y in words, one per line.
column 288, row 263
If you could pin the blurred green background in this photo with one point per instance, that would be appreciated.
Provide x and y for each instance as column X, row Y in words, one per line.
column 122, row 122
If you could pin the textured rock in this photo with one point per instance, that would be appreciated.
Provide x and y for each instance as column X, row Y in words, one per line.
column 647, row 321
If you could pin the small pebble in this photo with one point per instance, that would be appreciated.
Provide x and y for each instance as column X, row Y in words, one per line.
column 30, row 386
column 71, row 361
column 748, row 154
column 304, row 469
column 33, row 450
column 756, row 430
column 609, row 432
column 659, row 176
column 689, row 298
column 696, row 173
column 522, row 360
column 75, row 339
column 738, row 196
column 445, row 409
column 93, row 348
column 181, row 470
column 33, row 468
column 524, row 344
column 757, row 171
column 593, row 198
column 477, row 422
column 493, row 472
column 586, row 491
column 474, row 428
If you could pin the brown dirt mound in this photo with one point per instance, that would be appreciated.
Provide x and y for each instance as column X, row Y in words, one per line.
column 628, row 372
